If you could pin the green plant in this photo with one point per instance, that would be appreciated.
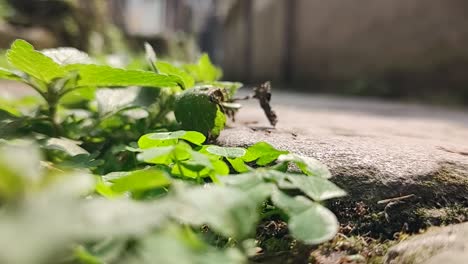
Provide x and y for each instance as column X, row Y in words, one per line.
column 93, row 175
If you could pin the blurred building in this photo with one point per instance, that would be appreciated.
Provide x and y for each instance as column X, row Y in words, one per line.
column 396, row 47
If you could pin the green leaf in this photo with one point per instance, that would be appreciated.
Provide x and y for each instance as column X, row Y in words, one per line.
column 290, row 205
column 64, row 219
column 25, row 58
column 316, row 188
column 244, row 181
column 85, row 257
column 81, row 161
column 219, row 123
column 203, row 160
column 263, row 153
column 20, row 169
column 139, row 180
column 227, row 152
column 185, row 79
column 198, row 166
column 228, row 211
column 105, row 76
column 309, row 222
column 8, row 75
column 314, row 226
column 9, row 107
column 309, row 166
column 104, row 188
column 239, row 165
column 170, row 138
column 195, row 110
column 204, row 70
column 175, row 245
column 220, row 167
column 189, row 169
column 76, row 96
column 166, row 155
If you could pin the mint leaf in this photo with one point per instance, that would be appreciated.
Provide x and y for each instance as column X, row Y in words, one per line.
column 186, row 80
column 105, row 76
column 25, row 58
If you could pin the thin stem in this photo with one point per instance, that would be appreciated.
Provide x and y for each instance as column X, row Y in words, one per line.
column 52, row 98
column 180, row 168
column 52, row 109
column 178, row 165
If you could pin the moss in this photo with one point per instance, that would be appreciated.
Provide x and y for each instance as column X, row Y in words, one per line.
column 453, row 214
column 352, row 249
column 276, row 244
column 450, row 175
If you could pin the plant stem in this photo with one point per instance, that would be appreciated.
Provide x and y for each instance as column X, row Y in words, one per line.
column 177, row 162
column 180, row 168
column 52, row 117
column 52, row 98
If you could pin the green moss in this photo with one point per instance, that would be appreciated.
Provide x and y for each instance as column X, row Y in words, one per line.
column 276, row 244
column 352, row 249
column 456, row 213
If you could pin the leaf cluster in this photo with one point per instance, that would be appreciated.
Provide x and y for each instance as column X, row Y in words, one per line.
column 96, row 169
column 66, row 82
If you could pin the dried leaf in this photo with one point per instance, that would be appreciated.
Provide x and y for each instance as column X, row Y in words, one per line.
column 263, row 94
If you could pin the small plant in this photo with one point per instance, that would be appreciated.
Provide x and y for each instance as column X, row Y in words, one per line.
column 98, row 171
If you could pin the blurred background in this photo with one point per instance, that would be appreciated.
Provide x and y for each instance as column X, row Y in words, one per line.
column 402, row 50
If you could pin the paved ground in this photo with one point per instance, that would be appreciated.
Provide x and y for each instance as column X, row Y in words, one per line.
column 374, row 148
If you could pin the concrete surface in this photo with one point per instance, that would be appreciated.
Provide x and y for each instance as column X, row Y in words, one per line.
column 375, row 149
